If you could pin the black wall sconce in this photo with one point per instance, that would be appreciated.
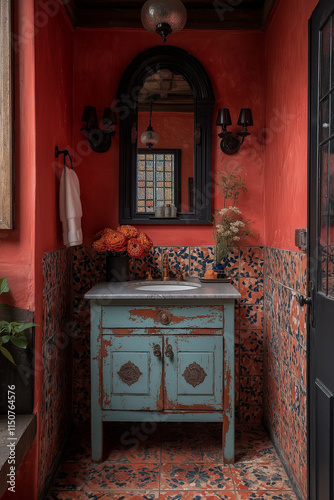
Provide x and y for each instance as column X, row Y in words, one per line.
column 231, row 142
column 99, row 138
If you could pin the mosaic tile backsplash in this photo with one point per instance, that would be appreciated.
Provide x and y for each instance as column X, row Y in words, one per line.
column 244, row 264
column 55, row 410
column 285, row 358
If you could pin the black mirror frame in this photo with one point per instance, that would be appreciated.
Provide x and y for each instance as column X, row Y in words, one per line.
column 147, row 63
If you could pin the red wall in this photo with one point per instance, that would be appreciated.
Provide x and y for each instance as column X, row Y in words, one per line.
column 17, row 246
column 176, row 131
column 237, row 76
column 286, row 122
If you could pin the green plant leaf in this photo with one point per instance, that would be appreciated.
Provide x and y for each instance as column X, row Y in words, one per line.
column 7, row 354
column 19, row 341
column 20, row 327
column 4, row 285
column 4, row 326
column 5, row 339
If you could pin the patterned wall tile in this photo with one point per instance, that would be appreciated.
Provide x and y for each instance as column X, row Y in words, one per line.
column 251, row 341
column 251, row 261
column 201, row 258
column 56, row 362
column 178, row 258
column 151, row 263
column 251, row 391
column 285, row 354
column 251, row 290
column 251, row 316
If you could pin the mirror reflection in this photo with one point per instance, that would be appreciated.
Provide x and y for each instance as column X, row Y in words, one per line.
column 165, row 161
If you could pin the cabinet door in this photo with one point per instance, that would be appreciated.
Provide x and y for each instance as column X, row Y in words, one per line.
column 132, row 372
column 193, row 373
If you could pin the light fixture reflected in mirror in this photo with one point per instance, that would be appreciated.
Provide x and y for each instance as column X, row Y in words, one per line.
column 150, row 138
column 163, row 16
column 231, row 142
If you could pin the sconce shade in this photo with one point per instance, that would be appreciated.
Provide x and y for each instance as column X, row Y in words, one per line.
column 109, row 117
column 245, row 117
column 89, row 115
column 224, row 117
column 163, row 16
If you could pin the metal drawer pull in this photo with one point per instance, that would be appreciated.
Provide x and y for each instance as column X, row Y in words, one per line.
column 169, row 351
column 165, row 317
column 157, row 350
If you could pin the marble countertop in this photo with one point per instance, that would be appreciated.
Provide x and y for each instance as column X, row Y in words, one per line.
column 126, row 291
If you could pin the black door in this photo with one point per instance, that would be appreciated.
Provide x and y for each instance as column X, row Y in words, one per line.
column 321, row 252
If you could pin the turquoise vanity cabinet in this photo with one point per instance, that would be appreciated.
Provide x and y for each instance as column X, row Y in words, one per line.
column 162, row 358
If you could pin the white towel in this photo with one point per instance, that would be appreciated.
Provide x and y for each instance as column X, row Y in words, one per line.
column 70, row 209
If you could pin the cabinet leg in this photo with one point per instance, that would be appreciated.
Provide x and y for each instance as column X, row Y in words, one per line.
column 97, row 440
column 228, row 443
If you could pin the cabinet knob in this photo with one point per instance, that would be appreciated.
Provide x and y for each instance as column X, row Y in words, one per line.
column 169, row 351
column 157, row 350
column 165, row 317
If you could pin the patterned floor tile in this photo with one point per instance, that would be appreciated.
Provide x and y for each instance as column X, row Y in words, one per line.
column 256, row 453
column 264, row 495
column 71, row 476
column 195, row 477
column 120, row 495
column 123, row 476
column 197, row 495
column 260, row 477
column 192, row 443
column 129, row 449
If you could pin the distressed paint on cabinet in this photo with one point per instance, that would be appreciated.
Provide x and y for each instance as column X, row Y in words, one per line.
column 145, row 369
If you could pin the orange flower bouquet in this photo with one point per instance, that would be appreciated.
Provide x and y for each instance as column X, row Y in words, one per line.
column 125, row 240
column 118, row 245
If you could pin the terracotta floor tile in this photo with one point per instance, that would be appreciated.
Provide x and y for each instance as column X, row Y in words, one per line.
column 260, row 477
column 123, row 476
column 265, row 495
column 192, row 443
column 256, row 453
column 121, row 495
column 128, row 448
column 71, row 476
column 195, row 477
column 197, row 495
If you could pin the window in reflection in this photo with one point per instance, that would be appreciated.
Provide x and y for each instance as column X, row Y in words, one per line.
column 158, row 173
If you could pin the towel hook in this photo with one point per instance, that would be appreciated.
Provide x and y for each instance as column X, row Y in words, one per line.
column 64, row 152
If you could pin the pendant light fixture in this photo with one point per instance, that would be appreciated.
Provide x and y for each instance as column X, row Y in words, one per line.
column 163, row 16
column 150, row 138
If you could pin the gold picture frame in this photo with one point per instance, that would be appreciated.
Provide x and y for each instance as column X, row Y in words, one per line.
column 6, row 116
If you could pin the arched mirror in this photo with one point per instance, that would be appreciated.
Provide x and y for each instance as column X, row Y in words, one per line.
column 165, row 102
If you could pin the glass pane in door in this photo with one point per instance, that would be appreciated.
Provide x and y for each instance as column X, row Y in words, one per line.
column 331, row 222
column 323, row 214
column 325, row 58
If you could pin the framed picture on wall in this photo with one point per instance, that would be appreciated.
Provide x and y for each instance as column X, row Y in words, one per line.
column 6, row 116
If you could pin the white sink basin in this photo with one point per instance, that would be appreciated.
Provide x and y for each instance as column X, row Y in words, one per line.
column 163, row 286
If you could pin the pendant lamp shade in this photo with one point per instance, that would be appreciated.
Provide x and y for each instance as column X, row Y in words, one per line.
column 163, row 16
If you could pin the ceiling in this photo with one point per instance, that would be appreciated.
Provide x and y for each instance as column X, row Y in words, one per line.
column 202, row 14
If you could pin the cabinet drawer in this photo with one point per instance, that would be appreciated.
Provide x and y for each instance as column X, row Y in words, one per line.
column 162, row 317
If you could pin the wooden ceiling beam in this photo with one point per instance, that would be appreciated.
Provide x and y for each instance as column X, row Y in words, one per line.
column 200, row 19
column 266, row 10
